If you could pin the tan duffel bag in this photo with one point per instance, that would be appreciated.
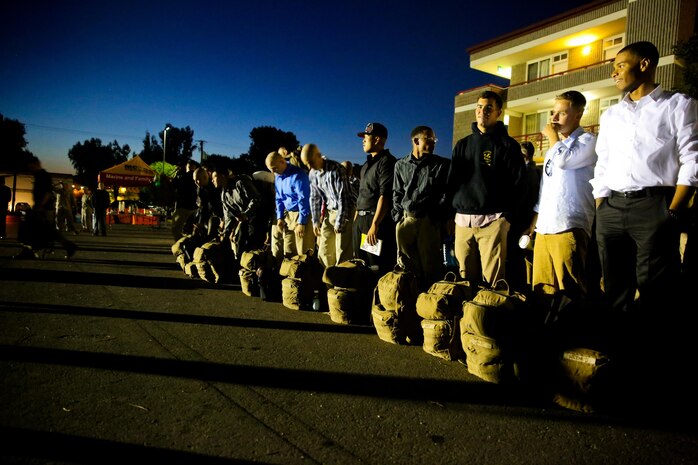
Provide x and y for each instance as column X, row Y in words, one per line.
column 393, row 310
column 582, row 379
column 444, row 299
column 491, row 333
column 296, row 295
column 254, row 259
column 350, row 274
column 248, row 282
column 442, row 339
column 348, row 306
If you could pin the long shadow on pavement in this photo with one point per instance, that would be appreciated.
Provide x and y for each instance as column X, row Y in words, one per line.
column 102, row 279
column 184, row 318
column 391, row 387
column 24, row 444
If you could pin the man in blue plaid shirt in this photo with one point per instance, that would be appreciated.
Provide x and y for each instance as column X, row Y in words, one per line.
column 331, row 206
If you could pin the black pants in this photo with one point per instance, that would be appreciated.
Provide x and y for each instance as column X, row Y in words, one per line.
column 386, row 261
column 638, row 245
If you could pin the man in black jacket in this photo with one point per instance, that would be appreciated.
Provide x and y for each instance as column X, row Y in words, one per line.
column 419, row 206
column 486, row 184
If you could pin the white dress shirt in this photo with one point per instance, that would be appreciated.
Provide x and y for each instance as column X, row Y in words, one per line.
column 565, row 199
column 648, row 143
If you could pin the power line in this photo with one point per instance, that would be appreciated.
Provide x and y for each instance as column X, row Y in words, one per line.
column 124, row 136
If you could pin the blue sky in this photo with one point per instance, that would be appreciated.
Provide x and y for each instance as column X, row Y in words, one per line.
column 73, row 70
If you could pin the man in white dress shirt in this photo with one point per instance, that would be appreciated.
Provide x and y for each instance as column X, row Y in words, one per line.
column 564, row 213
column 645, row 175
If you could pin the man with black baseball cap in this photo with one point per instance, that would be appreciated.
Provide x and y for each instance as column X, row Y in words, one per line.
column 372, row 221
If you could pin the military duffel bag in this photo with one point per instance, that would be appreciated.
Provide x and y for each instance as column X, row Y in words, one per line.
column 248, row 282
column 393, row 309
column 296, row 295
column 444, row 299
column 442, row 339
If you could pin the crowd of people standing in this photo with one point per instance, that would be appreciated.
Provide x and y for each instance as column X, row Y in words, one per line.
column 601, row 218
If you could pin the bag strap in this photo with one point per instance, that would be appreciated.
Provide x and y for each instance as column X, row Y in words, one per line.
column 451, row 277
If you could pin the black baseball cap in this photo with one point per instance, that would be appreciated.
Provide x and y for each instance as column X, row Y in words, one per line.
column 375, row 129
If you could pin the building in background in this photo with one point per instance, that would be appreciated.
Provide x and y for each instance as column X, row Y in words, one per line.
column 574, row 50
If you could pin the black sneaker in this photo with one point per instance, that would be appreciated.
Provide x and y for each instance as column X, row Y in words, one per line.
column 26, row 253
column 70, row 250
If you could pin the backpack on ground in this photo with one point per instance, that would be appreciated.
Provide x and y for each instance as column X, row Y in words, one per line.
column 183, row 249
column 302, row 277
column 214, row 262
column 259, row 276
column 582, row 374
column 442, row 338
column 393, row 311
column 349, row 287
column 444, row 299
column 581, row 379
column 491, row 332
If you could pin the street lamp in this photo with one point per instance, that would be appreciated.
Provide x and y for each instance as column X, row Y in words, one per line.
column 164, row 146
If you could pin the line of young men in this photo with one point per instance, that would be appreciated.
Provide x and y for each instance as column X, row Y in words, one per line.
column 636, row 181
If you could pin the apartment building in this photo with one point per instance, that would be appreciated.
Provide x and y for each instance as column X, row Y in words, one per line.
column 574, row 50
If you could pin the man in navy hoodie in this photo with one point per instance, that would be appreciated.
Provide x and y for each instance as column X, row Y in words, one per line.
column 486, row 184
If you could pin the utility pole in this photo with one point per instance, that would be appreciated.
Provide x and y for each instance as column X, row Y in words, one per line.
column 201, row 150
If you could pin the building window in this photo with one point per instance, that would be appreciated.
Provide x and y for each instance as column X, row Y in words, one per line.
column 612, row 45
column 535, row 122
column 560, row 63
column 606, row 103
column 547, row 66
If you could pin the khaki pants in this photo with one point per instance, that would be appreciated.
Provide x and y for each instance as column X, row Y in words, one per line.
column 334, row 248
column 293, row 244
column 482, row 252
column 419, row 241
column 559, row 263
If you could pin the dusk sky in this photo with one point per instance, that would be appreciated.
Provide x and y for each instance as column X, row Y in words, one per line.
column 73, row 70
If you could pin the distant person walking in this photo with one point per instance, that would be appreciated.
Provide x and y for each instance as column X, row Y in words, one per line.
column 185, row 198
column 87, row 210
column 5, row 198
column 39, row 230
column 100, row 203
column 65, row 202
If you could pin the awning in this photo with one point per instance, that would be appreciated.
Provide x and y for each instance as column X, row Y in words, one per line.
column 131, row 173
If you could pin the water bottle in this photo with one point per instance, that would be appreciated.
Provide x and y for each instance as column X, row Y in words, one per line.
column 316, row 301
column 449, row 253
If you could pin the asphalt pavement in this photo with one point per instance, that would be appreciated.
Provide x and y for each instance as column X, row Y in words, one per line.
column 116, row 356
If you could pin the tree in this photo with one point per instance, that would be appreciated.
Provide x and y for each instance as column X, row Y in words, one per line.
column 91, row 157
column 687, row 52
column 152, row 151
column 14, row 155
column 266, row 139
column 180, row 146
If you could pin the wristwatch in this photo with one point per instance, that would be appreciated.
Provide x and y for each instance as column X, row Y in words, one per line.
column 674, row 214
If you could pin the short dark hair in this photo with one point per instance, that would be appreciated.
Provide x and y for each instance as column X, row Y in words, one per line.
column 643, row 49
column 420, row 130
column 575, row 98
column 528, row 147
column 490, row 94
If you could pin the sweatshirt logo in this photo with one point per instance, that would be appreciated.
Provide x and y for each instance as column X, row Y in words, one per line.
column 487, row 157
